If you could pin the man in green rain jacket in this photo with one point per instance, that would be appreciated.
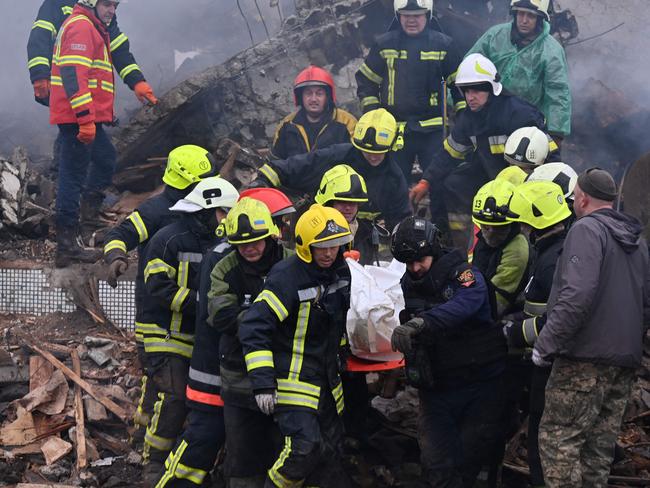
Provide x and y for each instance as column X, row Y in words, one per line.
column 532, row 64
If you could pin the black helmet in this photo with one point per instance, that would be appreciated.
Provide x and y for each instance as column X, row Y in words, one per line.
column 414, row 238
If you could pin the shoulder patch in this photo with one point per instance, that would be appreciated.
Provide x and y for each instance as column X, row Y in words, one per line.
column 466, row 278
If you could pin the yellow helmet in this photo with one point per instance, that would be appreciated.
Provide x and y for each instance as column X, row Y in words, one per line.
column 377, row 132
column 490, row 205
column 341, row 183
column 187, row 165
column 539, row 204
column 320, row 227
column 249, row 221
column 513, row 174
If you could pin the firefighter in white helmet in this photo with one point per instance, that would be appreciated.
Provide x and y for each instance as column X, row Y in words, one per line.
column 483, row 129
column 404, row 73
column 532, row 62
column 527, row 148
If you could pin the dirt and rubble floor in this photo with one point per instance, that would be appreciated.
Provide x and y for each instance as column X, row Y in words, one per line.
column 40, row 408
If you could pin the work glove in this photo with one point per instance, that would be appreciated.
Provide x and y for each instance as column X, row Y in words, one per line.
column 115, row 270
column 419, row 191
column 402, row 338
column 42, row 88
column 538, row 360
column 144, row 92
column 87, row 132
column 352, row 254
column 266, row 402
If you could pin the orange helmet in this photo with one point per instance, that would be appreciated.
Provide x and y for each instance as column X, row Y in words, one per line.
column 276, row 201
column 313, row 76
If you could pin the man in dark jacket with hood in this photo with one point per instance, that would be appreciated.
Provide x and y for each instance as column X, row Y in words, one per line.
column 597, row 313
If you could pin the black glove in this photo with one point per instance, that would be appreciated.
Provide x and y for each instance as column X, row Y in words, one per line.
column 401, row 339
column 115, row 270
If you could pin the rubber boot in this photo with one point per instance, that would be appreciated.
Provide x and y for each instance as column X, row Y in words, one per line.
column 68, row 250
column 91, row 204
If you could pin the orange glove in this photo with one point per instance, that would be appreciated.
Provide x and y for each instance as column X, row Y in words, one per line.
column 419, row 191
column 352, row 254
column 87, row 132
column 144, row 92
column 42, row 88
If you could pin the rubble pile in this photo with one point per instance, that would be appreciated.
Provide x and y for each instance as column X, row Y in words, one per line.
column 68, row 389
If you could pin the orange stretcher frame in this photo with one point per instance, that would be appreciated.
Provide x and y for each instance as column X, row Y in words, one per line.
column 359, row 365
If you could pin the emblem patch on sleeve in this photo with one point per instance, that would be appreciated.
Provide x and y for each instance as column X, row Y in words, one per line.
column 466, row 278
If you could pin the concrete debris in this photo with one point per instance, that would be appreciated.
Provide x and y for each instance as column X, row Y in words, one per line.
column 95, row 411
column 50, row 398
column 54, row 449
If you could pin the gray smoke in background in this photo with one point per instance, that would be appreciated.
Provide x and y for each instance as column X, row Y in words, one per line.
column 170, row 39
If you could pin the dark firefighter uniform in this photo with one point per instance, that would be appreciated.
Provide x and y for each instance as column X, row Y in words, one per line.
column 482, row 135
column 45, row 29
column 459, row 426
column 523, row 333
column 252, row 439
column 387, row 191
column 171, row 278
column 291, row 337
column 297, row 135
column 197, row 448
column 404, row 74
column 136, row 231
column 502, row 269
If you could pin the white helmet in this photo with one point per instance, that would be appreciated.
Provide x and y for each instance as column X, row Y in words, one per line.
column 413, row 7
column 559, row 173
column 526, row 147
column 93, row 3
column 476, row 69
column 212, row 192
column 538, row 7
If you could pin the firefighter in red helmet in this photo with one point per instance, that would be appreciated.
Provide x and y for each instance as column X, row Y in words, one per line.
column 317, row 122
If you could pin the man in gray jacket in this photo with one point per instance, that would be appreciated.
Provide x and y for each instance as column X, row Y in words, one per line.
column 598, row 309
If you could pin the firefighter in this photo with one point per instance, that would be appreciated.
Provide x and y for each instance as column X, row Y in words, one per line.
column 454, row 355
column 290, row 338
column 171, row 278
column 318, row 122
column 370, row 155
column 559, row 173
column 197, row 448
column 502, row 253
column 186, row 165
column 344, row 189
column 406, row 72
column 532, row 63
column 40, row 45
column 480, row 133
column 526, row 148
column 541, row 206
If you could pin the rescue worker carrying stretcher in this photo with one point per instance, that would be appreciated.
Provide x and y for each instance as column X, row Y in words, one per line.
column 40, row 45
column 539, row 205
column 318, row 122
column 186, row 166
column 197, row 448
column 290, row 337
column 481, row 131
column 370, row 155
column 407, row 72
column 171, row 278
column 454, row 355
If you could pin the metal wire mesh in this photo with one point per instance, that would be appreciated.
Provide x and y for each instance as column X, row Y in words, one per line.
column 119, row 303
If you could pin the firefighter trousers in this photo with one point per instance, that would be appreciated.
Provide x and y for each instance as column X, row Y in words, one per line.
column 148, row 394
column 312, row 448
column 196, row 451
column 168, row 373
column 417, row 145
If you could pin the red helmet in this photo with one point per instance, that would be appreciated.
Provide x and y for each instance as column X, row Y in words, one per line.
column 313, row 76
column 276, row 201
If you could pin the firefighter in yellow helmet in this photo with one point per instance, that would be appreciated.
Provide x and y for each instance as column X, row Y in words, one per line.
column 370, row 154
column 290, row 338
column 186, row 166
column 502, row 252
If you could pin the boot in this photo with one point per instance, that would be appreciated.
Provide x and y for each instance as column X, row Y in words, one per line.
column 69, row 251
column 91, row 204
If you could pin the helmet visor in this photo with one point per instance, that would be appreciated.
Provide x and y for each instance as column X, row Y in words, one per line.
column 337, row 241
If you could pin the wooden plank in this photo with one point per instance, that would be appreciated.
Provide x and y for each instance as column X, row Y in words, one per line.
column 82, row 459
column 100, row 397
column 40, row 372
